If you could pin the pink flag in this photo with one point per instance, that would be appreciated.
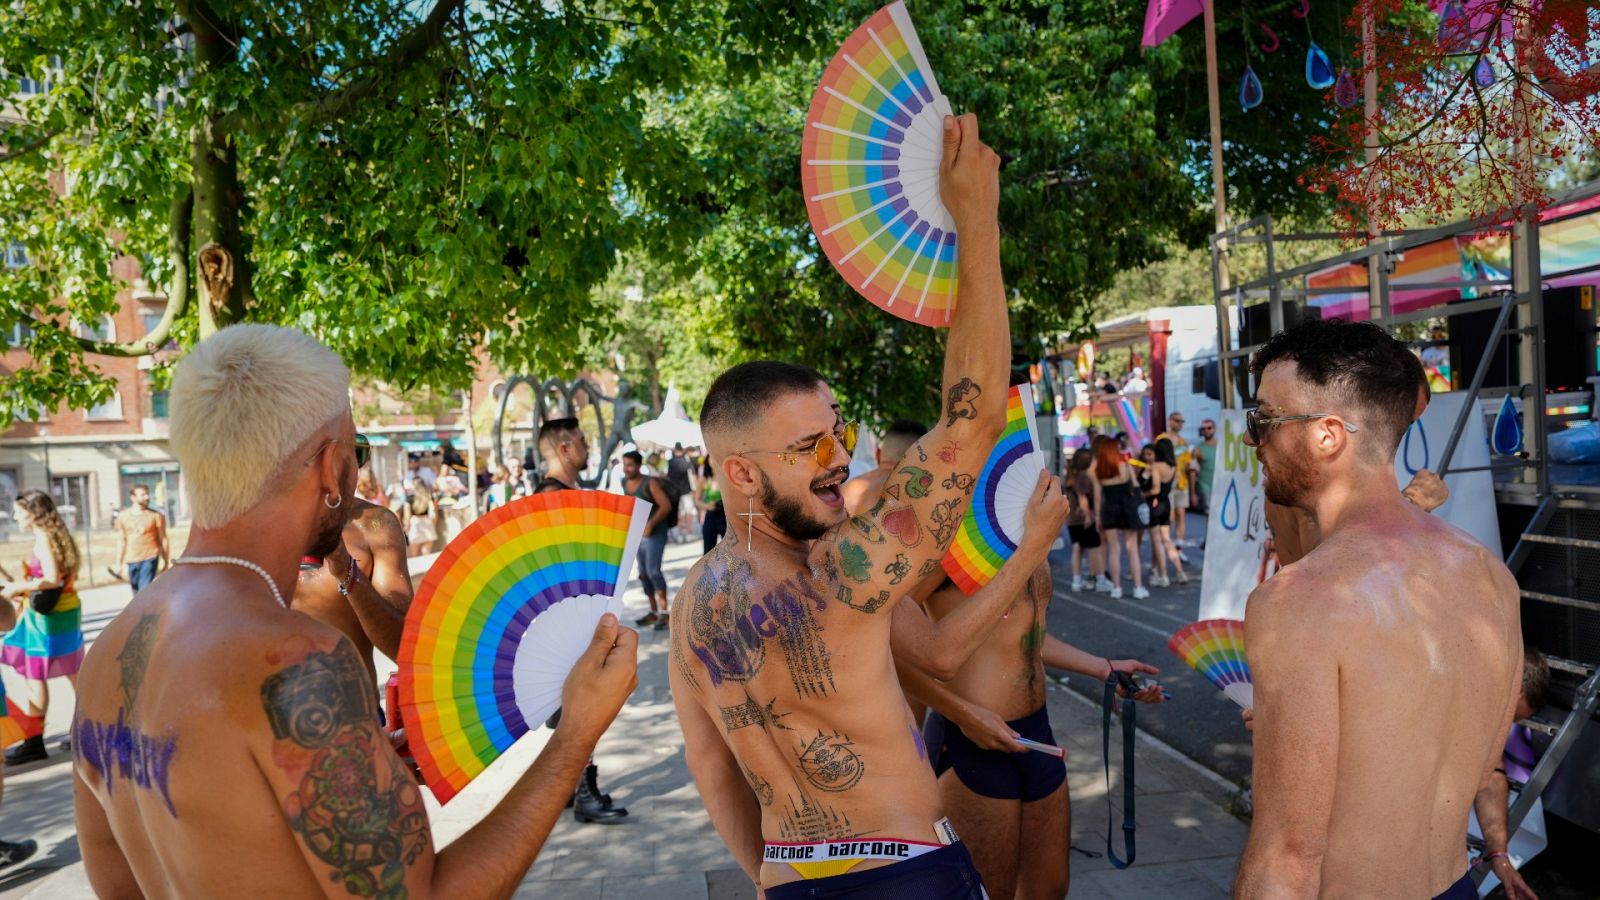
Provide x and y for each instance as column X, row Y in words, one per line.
column 1162, row 18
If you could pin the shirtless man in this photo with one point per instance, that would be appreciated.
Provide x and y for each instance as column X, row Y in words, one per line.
column 795, row 727
column 362, row 588
column 1009, row 803
column 225, row 745
column 1394, row 631
column 141, row 539
column 863, row 490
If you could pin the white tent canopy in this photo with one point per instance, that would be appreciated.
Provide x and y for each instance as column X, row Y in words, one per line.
column 671, row 427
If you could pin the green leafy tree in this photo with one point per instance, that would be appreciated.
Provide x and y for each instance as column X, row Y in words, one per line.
column 412, row 183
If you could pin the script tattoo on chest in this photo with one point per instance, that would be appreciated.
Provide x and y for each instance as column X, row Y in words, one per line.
column 829, row 763
column 752, row 713
column 729, row 633
column 355, row 808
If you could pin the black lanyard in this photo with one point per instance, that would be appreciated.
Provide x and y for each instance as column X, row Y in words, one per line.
column 1129, row 713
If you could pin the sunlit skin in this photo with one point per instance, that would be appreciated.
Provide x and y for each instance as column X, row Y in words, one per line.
column 1394, row 630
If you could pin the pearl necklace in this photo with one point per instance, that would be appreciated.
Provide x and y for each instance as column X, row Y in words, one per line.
column 234, row 561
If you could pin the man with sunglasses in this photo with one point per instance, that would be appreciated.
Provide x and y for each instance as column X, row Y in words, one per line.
column 1203, row 466
column 362, row 587
column 1386, row 660
column 795, row 726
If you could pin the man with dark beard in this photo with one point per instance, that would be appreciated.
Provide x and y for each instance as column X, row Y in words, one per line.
column 225, row 744
column 1386, row 660
column 795, row 727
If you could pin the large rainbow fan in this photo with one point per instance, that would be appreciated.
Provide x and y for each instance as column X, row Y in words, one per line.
column 1215, row 649
column 500, row 619
column 874, row 138
column 993, row 524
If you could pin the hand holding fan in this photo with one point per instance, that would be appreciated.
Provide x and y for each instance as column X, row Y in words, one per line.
column 874, row 139
column 992, row 527
column 501, row 618
column 1215, row 649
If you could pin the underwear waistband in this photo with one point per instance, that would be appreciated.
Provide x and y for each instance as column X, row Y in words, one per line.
column 825, row 859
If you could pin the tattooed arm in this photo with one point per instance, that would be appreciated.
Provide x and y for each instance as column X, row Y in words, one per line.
column 353, row 806
column 110, row 876
column 923, row 499
column 942, row 647
column 380, row 600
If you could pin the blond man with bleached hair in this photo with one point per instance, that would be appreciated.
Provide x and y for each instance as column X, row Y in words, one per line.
column 241, row 401
column 213, row 680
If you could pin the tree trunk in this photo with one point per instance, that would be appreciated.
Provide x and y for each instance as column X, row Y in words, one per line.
column 223, row 267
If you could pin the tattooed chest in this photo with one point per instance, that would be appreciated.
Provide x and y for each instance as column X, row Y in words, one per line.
column 733, row 633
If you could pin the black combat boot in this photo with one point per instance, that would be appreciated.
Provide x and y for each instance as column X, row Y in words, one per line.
column 589, row 805
column 29, row 750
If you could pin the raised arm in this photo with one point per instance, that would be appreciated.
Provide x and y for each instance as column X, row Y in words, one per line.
column 323, row 738
column 883, row 552
column 1296, row 674
column 943, row 647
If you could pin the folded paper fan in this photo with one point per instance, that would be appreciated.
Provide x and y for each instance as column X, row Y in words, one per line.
column 992, row 526
column 500, row 619
column 1215, row 649
column 874, row 138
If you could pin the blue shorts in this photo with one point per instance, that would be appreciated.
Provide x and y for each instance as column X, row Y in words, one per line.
column 1023, row 775
column 142, row 573
column 945, row 874
column 1461, row 890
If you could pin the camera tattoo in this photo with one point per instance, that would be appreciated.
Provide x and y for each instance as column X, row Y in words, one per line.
column 355, row 807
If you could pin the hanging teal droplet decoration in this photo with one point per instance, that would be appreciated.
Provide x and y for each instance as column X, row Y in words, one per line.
column 1230, row 506
column 1250, row 93
column 1319, row 69
column 1345, row 92
column 1415, row 457
column 1483, row 74
column 1455, row 29
column 1506, row 439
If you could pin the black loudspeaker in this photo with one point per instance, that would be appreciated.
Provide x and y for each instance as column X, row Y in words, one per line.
column 1255, row 322
column 1569, row 343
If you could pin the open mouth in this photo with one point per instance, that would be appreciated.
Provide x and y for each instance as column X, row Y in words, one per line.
column 827, row 490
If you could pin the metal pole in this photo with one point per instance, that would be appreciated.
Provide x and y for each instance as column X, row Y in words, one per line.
column 1274, row 297
column 472, row 452
column 1369, row 85
column 1220, row 276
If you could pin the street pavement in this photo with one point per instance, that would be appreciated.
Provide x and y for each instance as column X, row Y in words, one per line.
column 667, row 849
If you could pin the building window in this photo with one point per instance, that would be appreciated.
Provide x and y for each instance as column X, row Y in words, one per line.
column 103, row 330
column 16, row 255
column 31, row 86
column 19, row 335
column 109, row 411
column 150, row 318
column 158, row 405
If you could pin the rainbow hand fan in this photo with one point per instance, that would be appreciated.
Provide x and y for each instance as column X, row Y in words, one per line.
column 500, row 619
column 874, row 139
column 1215, row 649
column 993, row 524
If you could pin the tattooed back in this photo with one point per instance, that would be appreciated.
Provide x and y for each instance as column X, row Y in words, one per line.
column 202, row 741
column 796, row 675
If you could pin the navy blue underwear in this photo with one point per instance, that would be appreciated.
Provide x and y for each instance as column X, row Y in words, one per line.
column 1024, row 775
column 1461, row 890
column 944, row 874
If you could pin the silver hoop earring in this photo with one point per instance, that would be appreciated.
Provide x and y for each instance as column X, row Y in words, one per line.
column 332, row 505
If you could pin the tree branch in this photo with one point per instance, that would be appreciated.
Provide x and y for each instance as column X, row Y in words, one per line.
column 199, row 11
column 400, row 57
column 37, row 143
column 178, row 224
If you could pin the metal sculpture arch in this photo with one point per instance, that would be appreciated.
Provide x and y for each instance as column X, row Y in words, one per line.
column 560, row 397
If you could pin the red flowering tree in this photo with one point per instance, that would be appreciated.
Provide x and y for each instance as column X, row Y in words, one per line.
column 1479, row 101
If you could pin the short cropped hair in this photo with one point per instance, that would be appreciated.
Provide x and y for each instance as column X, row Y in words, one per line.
column 636, row 456
column 740, row 396
column 1358, row 362
column 1535, row 678
column 243, row 401
column 899, row 438
column 554, row 431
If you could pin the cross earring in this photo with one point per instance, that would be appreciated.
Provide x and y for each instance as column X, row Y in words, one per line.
column 750, row 524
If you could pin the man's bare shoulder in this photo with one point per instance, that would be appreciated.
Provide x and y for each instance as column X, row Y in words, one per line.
column 376, row 524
